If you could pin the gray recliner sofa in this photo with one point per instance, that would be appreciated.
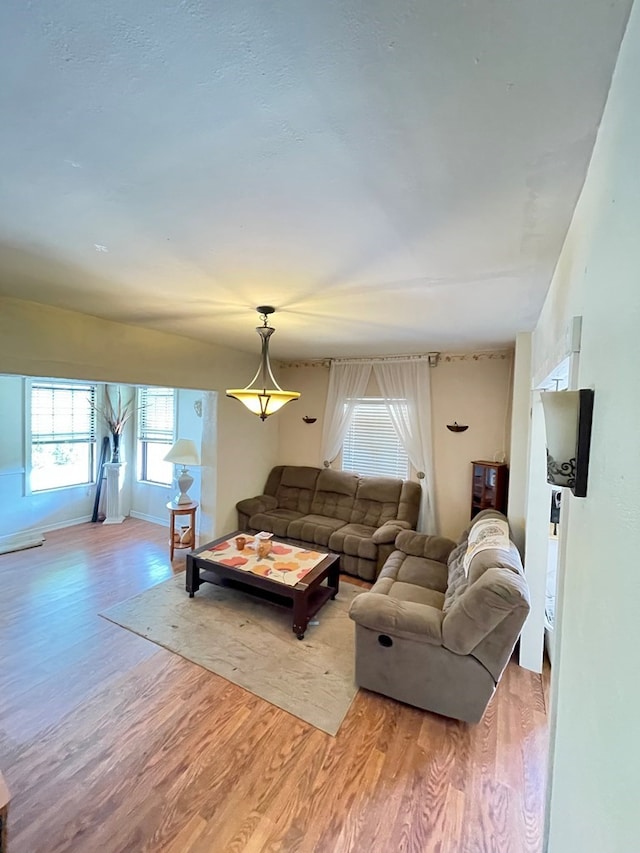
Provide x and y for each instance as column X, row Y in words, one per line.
column 356, row 517
column 434, row 636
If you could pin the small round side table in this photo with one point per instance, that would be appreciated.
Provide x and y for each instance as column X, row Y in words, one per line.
column 182, row 509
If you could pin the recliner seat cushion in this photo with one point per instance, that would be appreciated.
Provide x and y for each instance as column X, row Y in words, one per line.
column 316, row 529
column 275, row 521
column 406, row 568
column 355, row 539
column 408, row 578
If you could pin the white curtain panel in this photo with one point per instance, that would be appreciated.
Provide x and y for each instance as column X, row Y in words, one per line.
column 406, row 388
column 347, row 384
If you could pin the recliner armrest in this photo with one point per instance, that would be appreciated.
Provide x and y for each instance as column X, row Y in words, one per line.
column 260, row 503
column 389, row 530
column 406, row 619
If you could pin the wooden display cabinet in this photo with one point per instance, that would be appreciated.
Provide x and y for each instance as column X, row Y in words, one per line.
column 489, row 486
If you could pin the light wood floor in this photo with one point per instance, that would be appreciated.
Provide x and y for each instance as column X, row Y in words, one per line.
column 111, row 744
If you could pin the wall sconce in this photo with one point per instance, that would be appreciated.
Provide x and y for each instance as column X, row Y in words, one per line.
column 567, row 417
column 309, row 420
column 456, row 427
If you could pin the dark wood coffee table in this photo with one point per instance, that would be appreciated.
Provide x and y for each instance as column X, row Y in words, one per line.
column 306, row 597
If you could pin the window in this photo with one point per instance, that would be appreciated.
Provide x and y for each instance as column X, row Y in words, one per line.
column 63, row 434
column 156, row 425
column 371, row 446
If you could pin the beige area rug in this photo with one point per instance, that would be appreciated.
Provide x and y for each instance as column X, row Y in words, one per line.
column 250, row 642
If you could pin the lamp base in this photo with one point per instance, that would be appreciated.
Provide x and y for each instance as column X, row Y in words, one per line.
column 185, row 481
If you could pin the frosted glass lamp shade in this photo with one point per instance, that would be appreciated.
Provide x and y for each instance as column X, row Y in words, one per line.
column 567, row 417
column 263, row 396
column 184, row 452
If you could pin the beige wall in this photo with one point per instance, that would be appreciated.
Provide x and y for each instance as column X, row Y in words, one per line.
column 299, row 443
column 471, row 391
column 595, row 693
column 37, row 340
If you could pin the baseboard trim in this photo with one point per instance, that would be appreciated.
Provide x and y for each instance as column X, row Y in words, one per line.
column 33, row 536
column 163, row 522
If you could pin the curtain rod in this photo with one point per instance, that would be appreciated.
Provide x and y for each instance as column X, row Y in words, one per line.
column 429, row 356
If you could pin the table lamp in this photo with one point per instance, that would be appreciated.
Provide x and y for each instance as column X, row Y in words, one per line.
column 183, row 452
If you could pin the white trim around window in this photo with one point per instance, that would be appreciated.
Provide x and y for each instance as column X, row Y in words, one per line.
column 156, row 424
column 60, row 434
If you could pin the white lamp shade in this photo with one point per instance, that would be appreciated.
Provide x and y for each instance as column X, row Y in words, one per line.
column 183, row 452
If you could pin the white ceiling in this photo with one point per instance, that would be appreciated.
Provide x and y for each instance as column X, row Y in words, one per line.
column 395, row 176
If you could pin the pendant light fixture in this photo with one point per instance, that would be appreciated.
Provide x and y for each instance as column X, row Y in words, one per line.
column 263, row 396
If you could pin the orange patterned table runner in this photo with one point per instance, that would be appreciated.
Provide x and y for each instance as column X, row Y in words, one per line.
column 286, row 564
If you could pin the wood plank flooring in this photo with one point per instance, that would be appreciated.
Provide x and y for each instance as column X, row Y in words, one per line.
column 109, row 743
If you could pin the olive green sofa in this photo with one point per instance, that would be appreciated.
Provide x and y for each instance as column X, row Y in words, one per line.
column 356, row 517
column 439, row 626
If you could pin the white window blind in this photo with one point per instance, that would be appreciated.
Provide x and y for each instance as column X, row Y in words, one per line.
column 156, row 420
column 371, row 446
column 156, row 431
column 62, row 412
column 62, row 421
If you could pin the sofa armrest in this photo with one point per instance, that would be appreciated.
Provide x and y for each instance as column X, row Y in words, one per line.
column 423, row 545
column 389, row 530
column 260, row 503
column 406, row 619
column 482, row 607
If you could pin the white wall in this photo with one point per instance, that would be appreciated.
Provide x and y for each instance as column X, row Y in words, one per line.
column 595, row 755
column 20, row 510
column 148, row 500
column 474, row 391
column 38, row 340
column 41, row 511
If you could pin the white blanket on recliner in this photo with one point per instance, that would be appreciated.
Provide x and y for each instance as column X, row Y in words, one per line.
column 486, row 533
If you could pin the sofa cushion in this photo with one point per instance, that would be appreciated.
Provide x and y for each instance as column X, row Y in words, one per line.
column 354, row 539
column 334, row 495
column 418, row 573
column 295, row 491
column 261, row 503
column 376, row 501
column 422, row 545
column 275, row 521
column 417, row 594
column 316, row 529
